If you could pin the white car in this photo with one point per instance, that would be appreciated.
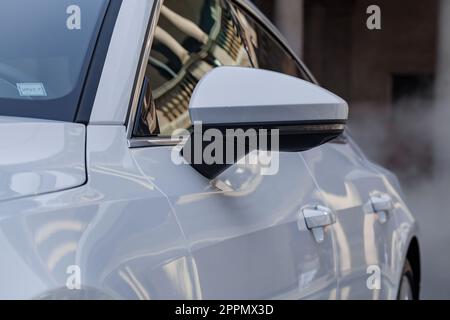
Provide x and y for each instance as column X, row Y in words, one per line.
column 93, row 203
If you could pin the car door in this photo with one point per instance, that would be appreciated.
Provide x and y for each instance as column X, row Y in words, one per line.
column 362, row 241
column 356, row 190
column 246, row 230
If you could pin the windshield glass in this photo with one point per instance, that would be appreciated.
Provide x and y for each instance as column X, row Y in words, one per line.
column 45, row 50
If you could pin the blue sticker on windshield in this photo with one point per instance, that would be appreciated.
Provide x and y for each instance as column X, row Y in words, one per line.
column 31, row 89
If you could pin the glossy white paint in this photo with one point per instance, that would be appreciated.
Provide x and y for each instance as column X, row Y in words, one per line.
column 119, row 72
column 118, row 228
column 251, row 242
column 230, row 95
column 40, row 156
column 167, row 233
column 362, row 240
column 141, row 227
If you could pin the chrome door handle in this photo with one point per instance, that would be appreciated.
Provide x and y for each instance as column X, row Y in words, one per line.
column 382, row 205
column 317, row 218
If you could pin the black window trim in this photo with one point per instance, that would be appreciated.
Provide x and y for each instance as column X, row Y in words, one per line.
column 95, row 68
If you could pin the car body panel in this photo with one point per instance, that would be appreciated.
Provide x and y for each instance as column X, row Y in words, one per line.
column 40, row 156
column 251, row 241
column 126, row 253
column 363, row 242
column 122, row 251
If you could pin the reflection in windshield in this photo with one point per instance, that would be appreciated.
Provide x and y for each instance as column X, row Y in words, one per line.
column 45, row 48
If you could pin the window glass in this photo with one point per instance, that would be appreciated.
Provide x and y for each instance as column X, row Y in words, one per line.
column 192, row 37
column 45, row 49
column 266, row 52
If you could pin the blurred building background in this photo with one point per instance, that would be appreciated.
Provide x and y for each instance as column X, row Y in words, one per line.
column 397, row 83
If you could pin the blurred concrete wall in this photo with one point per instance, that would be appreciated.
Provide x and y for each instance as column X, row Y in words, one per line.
column 442, row 115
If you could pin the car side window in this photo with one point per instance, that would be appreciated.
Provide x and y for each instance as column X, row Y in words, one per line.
column 192, row 37
column 265, row 50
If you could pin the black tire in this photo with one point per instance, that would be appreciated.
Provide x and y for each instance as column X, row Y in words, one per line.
column 408, row 289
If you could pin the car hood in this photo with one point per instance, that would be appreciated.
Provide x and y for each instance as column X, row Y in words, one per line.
column 39, row 156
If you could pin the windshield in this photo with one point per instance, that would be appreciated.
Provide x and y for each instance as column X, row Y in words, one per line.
column 45, row 50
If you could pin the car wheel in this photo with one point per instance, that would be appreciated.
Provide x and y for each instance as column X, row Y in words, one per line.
column 407, row 287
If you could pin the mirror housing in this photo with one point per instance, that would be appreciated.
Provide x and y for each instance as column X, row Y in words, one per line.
column 246, row 103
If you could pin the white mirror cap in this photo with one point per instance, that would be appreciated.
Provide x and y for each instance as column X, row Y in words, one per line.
column 228, row 95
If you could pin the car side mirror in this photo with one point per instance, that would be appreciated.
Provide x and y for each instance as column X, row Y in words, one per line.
column 237, row 110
